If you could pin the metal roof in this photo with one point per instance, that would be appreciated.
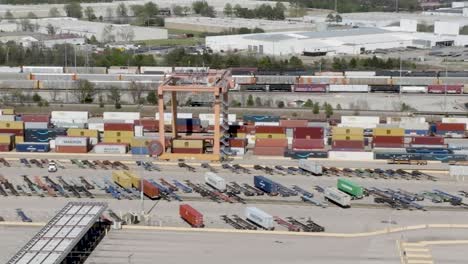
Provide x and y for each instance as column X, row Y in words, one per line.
column 318, row 34
column 56, row 239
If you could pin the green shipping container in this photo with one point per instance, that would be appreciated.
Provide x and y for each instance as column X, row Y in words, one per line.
column 350, row 188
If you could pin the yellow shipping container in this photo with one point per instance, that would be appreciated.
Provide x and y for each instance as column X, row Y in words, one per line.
column 188, row 143
column 8, row 111
column 122, row 179
column 347, row 131
column 134, row 177
column 78, row 132
column 141, row 142
column 120, row 134
column 396, row 132
column 7, row 138
column 19, row 139
column 11, row 124
column 273, row 136
column 127, row 140
column 348, row 137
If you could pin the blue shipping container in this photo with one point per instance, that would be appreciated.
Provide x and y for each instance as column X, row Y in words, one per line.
column 429, row 150
column 188, row 122
column 43, row 135
column 32, row 147
column 140, row 151
column 307, row 154
column 266, row 185
column 421, row 156
column 261, row 118
column 417, row 132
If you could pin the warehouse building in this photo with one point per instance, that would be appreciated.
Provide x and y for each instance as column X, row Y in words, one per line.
column 335, row 42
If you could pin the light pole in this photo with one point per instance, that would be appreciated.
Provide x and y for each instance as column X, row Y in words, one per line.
column 130, row 258
column 445, row 90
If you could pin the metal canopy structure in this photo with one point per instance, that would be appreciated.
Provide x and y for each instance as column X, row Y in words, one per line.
column 56, row 239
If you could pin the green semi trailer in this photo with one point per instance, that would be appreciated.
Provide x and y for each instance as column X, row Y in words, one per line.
column 350, row 188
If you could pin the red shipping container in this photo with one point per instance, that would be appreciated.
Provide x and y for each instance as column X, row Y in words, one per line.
column 348, row 144
column 36, row 118
column 148, row 124
column 308, row 132
column 427, row 140
column 440, row 88
column 293, row 123
column 190, row 215
column 150, row 190
column 17, row 132
column 118, row 127
column 269, row 151
column 184, row 128
column 310, row 87
column 388, row 145
column 238, row 142
column 5, row 147
column 388, row 140
column 270, row 142
column 270, row 130
column 187, row 150
column 307, row 144
column 450, row 127
column 71, row 149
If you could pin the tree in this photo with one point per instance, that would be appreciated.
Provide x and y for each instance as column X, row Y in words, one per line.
column 26, row 25
column 316, row 109
column 338, row 18
column 74, row 9
column 89, row 13
column 308, row 104
column 338, row 107
column 250, row 101
column 258, row 30
column 121, row 10
column 178, row 10
column 202, row 8
column 126, row 34
column 329, row 110
column 8, row 15
column 31, row 15
column 186, row 10
column 54, row 12
column 136, row 90
column 109, row 13
column 36, row 98
column 244, row 30
column 295, row 63
column 51, row 29
column 84, row 91
column 258, row 101
column 107, row 34
column 280, row 104
column 151, row 98
column 228, row 11
column 114, row 96
column 330, row 18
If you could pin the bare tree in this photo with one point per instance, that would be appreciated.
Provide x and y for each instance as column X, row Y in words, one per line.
column 126, row 34
column 114, row 96
column 107, row 34
column 136, row 90
column 84, row 91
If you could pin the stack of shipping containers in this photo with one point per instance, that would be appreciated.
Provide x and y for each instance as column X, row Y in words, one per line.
column 270, row 140
column 7, row 141
column 189, row 125
column 413, row 126
column 188, row 146
column 388, row 137
column 427, row 141
column 238, row 145
column 71, row 144
column 92, row 134
column 450, row 129
column 308, row 138
column 347, row 138
column 289, row 125
column 118, row 132
column 139, row 145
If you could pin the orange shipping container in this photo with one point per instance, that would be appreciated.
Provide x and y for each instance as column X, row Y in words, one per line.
column 266, row 142
column 71, row 149
column 293, row 123
column 269, row 151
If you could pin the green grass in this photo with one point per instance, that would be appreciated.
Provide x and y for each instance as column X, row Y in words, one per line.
column 183, row 31
column 172, row 42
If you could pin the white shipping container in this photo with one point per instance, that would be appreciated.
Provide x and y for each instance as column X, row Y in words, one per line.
column 360, row 125
column 405, row 119
column 267, row 123
column 351, row 155
column 7, row 117
column 71, row 141
column 42, row 69
column 310, row 166
column 138, row 130
column 210, row 118
column 110, row 149
column 96, row 126
column 456, row 120
column 360, row 119
column 70, row 116
column 36, row 125
column 5, row 69
column 152, row 69
column 359, row 73
column 215, row 181
column 413, row 89
column 238, row 151
column 414, row 126
column 457, row 170
column 337, row 196
column 348, row 88
column 168, row 117
column 52, row 143
column 69, row 125
column 259, row 217
column 121, row 115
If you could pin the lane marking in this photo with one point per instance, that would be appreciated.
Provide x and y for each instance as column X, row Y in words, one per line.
column 417, row 249
column 411, row 255
column 416, row 261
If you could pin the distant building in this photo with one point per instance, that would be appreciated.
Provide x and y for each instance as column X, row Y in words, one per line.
column 27, row 39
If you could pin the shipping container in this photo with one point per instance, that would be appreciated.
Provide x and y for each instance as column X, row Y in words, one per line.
column 11, row 125
column 308, row 132
column 347, row 131
column 458, row 170
column 360, row 119
column 298, row 154
column 237, row 142
column 238, row 151
column 307, row 144
column 148, row 124
column 416, row 132
column 125, row 140
column 8, row 118
column 334, row 195
column 5, row 147
column 271, row 142
column 17, row 132
column 191, row 216
column 441, row 88
column 69, row 116
column 118, row 127
column 293, row 123
column 351, row 155
column 211, row 118
column 7, row 138
column 310, row 166
column 70, row 149
column 260, row 118
column 188, row 143
column 269, row 130
column 32, row 147
column 457, row 120
column 389, row 139
column 348, row 88
column 106, row 148
column 140, row 151
column 215, row 181
column 388, row 132
column 450, row 127
column 187, row 150
column 420, row 156
column 348, row 144
column 310, row 87
column 269, row 151
column 76, row 132
column 269, row 136
column 142, row 141
column 19, row 139
column 168, row 117
column 408, row 120
column 71, row 141
column 41, row 69
column 121, row 115
column 427, row 140
column 350, row 188
column 352, row 137
column 150, row 190
column 36, row 125
column 119, row 134
column 259, row 217
column 413, row 89
column 122, row 179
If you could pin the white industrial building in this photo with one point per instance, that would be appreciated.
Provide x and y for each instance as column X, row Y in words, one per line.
column 82, row 28
column 346, row 41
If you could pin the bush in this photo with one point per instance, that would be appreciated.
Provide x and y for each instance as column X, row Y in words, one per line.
column 118, row 105
column 36, row 98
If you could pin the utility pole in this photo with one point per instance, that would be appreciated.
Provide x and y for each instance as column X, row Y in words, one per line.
column 336, row 6
column 396, row 6
column 445, row 90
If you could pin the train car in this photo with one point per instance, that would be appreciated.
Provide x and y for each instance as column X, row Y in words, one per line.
column 308, row 79
column 53, row 76
column 244, row 79
column 359, row 73
column 123, row 70
column 310, row 88
column 280, row 87
column 413, row 89
column 384, row 88
column 441, row 88
column 6, row 69
column 253, row 88
column 453, row 74
column 275, row 79
column 86, row 70
column 334, row 88
column 370, row 80
column 191, row 69
column 422, row 74
column 328, row 73
column 41, row 69
column 391, row 73
column 244, row 71
column 155, row 70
